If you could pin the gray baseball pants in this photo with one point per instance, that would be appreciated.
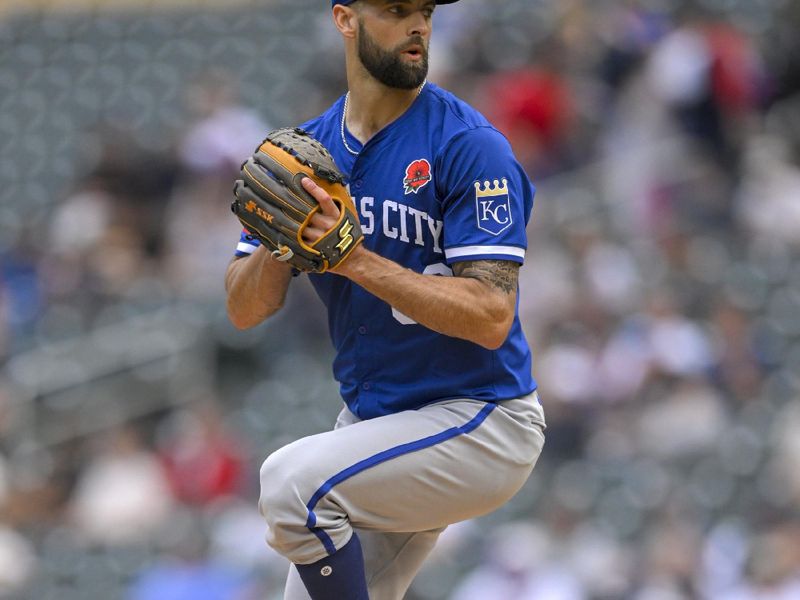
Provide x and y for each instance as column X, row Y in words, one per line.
column 398, row 480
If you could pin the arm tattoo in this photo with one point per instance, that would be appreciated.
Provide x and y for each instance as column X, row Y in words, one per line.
column 500, row 274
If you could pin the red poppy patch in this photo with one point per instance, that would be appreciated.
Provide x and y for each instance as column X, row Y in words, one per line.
column 418, row 174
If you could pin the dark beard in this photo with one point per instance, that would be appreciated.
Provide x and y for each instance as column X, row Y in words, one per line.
column 387, row 66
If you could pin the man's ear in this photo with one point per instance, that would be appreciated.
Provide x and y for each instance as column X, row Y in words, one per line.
column 346, row 20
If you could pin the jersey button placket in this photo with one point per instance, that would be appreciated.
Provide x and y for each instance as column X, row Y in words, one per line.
column 359, row 307
column 356, row 183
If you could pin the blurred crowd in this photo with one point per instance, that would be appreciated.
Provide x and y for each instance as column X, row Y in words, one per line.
column 660, row 294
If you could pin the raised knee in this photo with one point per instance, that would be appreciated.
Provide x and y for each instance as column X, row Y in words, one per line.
column 279, row 483
column 282, row 503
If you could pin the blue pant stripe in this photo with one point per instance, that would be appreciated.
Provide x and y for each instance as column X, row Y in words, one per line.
column 381, row 457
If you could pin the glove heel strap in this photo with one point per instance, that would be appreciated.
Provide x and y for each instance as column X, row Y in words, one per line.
column 283, row 254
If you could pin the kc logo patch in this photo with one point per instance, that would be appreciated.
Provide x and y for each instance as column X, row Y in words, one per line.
column 493, row 206
column 418, row 175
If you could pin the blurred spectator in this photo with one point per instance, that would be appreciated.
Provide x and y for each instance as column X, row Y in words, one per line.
column 612, row 277
column 624, row 362
column 785, row 464
column 601, row 562
column 139, row 178
column 202, row 460
column 629, row 33
column 532, row 106
column 685, row 421
column 678, row 345
column 521, row 563
column 223, row 131
column 122, row 494
column 737, row 368
column 670, row 560
column 708, row 72
column 108, row 234
column 773, row 567
column 768, row 203
column 200, row 226
column 82, row 218
column 737, row 77
column 21, row 294
column 725, row 551
column 84, row 227
column 17, row 561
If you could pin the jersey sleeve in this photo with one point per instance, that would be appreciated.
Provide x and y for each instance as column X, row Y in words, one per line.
column 247, row 244
column 486, row 198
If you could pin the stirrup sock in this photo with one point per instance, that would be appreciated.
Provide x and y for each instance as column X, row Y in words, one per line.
column 339, row 576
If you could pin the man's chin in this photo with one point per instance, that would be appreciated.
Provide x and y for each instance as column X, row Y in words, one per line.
column 415, row 77
column 410, row 85
column 408, row 78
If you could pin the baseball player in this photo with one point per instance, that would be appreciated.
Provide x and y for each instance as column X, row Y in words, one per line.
column 441, row 420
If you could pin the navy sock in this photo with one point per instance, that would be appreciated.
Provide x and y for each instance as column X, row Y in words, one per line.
column 339, row 576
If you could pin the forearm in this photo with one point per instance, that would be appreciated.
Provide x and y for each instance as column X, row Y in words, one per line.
column 462, row 307
column 256, row 287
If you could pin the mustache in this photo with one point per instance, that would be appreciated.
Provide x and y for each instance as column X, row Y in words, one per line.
column 417, row 40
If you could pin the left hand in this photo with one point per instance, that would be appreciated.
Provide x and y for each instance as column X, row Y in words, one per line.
column 325, row 218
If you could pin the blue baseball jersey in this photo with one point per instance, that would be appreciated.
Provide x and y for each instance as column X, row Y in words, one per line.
column 437, row 186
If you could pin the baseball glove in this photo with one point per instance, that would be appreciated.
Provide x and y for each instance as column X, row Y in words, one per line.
column 274, row 207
